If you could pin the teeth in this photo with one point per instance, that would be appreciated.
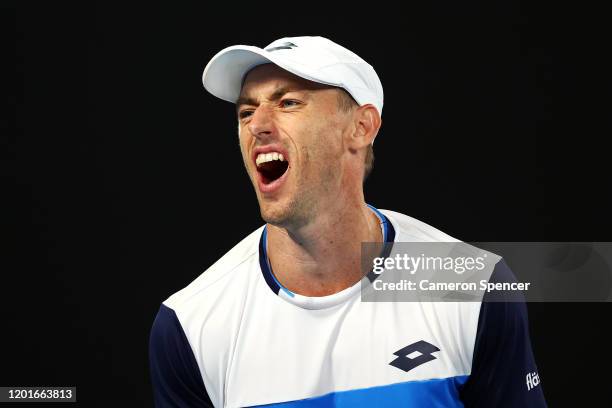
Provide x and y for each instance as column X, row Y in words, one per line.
column 268, row 157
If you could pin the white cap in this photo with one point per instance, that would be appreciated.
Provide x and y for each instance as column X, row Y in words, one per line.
column 313, row 58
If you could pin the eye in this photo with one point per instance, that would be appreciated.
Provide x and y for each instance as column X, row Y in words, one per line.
column 288, row 103
column 245, row 114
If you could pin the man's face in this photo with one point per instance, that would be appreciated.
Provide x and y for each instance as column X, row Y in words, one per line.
column 291, row 139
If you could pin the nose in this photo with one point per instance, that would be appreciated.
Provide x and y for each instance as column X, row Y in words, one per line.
column 261, row 123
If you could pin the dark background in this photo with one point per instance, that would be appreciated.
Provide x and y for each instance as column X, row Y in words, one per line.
column 130, row 182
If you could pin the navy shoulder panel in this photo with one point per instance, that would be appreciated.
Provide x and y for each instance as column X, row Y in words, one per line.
column 175, row 374
column 504, row 372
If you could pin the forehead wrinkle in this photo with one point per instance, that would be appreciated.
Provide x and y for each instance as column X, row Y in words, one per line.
column 283, row 81
column 275, row 95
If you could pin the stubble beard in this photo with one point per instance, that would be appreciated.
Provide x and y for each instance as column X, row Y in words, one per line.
column 293, row 213
column 305, row 199
column 304, row 202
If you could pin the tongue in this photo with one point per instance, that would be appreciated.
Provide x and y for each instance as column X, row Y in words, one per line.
column 272, row 170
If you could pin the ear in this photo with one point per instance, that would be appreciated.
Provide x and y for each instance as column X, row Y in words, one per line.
column 367, row 122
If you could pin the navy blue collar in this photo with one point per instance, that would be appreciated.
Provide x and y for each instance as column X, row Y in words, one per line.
column 274, row 284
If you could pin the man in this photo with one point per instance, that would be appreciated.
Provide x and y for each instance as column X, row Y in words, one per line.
column 278, row 320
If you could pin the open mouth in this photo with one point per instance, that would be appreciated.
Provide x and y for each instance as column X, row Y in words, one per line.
column 271, row 166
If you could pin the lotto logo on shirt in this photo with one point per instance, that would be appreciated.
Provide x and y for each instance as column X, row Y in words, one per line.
column 533, row 380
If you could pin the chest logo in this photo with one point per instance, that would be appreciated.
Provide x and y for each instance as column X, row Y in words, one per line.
column 414, row 355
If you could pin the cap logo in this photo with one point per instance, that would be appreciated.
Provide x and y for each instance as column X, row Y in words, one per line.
column 283, row 46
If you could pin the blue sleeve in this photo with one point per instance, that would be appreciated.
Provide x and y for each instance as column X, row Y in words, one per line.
column 175, row 374
column 504, row 372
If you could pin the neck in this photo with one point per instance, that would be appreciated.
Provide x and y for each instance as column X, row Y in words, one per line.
column 324, row 256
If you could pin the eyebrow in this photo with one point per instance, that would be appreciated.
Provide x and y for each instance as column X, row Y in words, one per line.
column 276, row 95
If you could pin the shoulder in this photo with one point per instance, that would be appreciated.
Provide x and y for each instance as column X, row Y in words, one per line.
column 410, row 229
column 228, row 269
column 206, row 312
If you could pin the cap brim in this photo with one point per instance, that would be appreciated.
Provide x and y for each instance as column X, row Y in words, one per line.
column 223, row 75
